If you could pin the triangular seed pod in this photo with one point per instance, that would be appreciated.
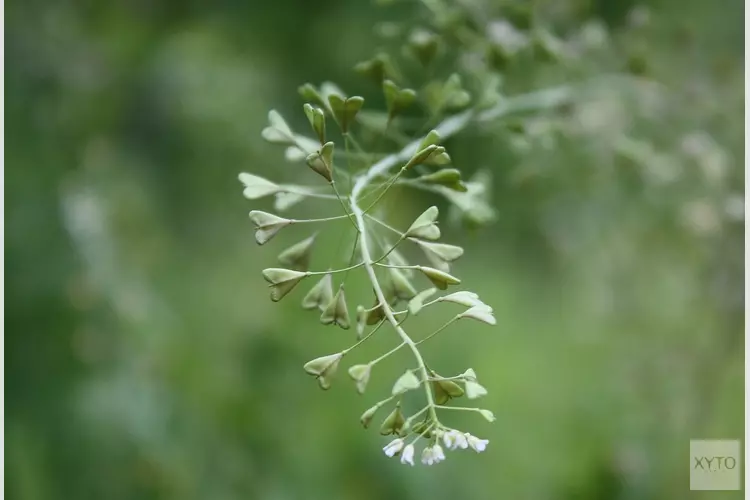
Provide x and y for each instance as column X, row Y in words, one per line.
column 366, row 417
column 424, row 226
column 422, row 155
column 405, row 382
column 440, row 395
column 397, row 99
column 345, row 110
column 282, row 281
column 448, row 177
column 361, row 320
column 401, row 287
column 317, row 120
column 361, row 375
column 474, row 389
column 393, row 422
column 267, row 225
column 464, row 298
column 416, row 304
column 336, row 311
column 319, row 295
column 432, row 138
column 278, row 131
column 257, row 187
column 481, row 313
column 439, row 278
column 424, row 45
column 322, row 161
column 298, row 255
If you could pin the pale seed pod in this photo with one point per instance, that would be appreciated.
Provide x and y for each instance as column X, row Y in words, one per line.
column 336, row 311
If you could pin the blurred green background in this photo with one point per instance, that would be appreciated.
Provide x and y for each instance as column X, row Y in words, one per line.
column 144, row 359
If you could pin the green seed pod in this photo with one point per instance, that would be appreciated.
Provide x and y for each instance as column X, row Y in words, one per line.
column 336, row 311
column 298, row 255
column 487, row 414
column 278, row 132
column 267, row 225
column 375, row 315
column 361, row 320
column 481, row 313
column 282, row 281
column 474, row 389
column 454, row 96
column 424, row 226
column 377, row 68
column 422, row 155
column 317, row 120
column 448, row 177
column 464, row 298
column 320, row 295
column 424, row 45
column 257, row 187
column 397, row 99
column 405, row 382
column 416, row 304
column 431, row 139
column 324, row 368
column 345, row 110
column 322, row 161
column 440, row 395
column 420, row 428
column 439, row 278
column 361, row 375
column 439, row 254
column 393, row 422
column 367, row 416
column 310, row 93
column 401, row 288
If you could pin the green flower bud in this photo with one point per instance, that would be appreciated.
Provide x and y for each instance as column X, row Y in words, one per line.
column 424, row 226
column 282, row 281
column 393, row 422
column 336, row 311
column 267, row 225
column 439, row 278
column 361, row 375
column 298, row 255
column 320, row 295
column 406, row 382
column 257, row 187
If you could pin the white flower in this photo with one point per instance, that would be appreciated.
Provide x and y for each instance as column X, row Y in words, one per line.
column 432, row 455
column 476, row 443
column 407, row 456
column 393, row 447
column 454, row 439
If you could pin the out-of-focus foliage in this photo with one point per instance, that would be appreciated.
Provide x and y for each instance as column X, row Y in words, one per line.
column 144, row 360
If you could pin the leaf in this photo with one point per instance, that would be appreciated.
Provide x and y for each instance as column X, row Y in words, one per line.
column 257, row 187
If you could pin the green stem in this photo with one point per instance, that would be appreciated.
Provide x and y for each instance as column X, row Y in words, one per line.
column 438, row 330
column 332, row 271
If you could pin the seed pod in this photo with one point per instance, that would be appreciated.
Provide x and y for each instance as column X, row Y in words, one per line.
column 424, row 45
column 416, row 304
column 405, row 382
column 474, row 389
column 366, row 417
column 257, row 187
column 439, row 278
column 282, row 281
column 322, row 161
column 481, row 313
column 319, row 295
column 361, row 375
column 345, row 110
column 324, row 368
column 278, row 132
column 422, row 155
column 267, row 225
column 401, row 288
column 396, row 98
column 440, row 254
column 377, row 68
column 317, row 120
column 336, row 311
column 448, row 177
column 464, row 298
column 298, row 255
column 393, row 422
column 424, row 226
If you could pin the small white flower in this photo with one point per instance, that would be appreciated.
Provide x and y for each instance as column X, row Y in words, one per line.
column 407, row 455
column 477, row 444
column 394, row 447
column 454, row 439
column 432, row 455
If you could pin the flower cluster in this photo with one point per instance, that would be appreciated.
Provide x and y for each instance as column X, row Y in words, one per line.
column 433, row 452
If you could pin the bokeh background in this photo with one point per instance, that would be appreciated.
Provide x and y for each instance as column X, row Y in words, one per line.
column 144, row 359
